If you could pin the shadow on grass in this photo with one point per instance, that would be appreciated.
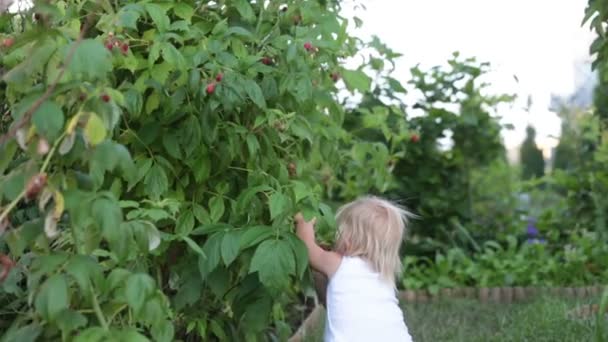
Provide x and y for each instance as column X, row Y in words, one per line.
column 543, row 320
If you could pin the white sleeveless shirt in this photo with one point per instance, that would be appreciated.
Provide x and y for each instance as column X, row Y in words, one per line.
column 361, row 307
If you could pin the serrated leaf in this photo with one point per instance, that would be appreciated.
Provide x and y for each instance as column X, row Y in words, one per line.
column 202, row 168
column 194, row 246
column 274, row 262
column 172, row 56
column 159, row 17
column 254, row 92
column 95, row 130
column 171, row 144
column 28, row 333
column 143, row 167
column 48, row 120
column 91, row 59
column 83, row 269
column 216, row 208
column 156, row 181
column 7, row 151
column 201, row 214
column 254, row 235
column 300, row 191
column 301, row 254
column 185, row 223
column 278, row 203
column 183, row 10
column 244, row 9
column 152, row 102
column 69, row 320
column 138, row 287
column 212, row 255
column 356, row 80
column 128, row 19
column 230, row 247
column 53, row 297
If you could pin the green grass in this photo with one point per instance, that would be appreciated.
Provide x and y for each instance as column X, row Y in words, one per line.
column 471, row 321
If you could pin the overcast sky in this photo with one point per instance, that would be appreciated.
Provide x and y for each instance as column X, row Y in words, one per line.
column 540, row 41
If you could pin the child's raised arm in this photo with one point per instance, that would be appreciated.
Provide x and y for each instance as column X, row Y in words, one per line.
column 324, row 261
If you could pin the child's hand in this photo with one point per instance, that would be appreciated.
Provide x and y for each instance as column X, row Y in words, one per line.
column 302, row 223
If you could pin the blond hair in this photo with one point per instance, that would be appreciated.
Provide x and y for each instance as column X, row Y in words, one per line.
column 373, row 228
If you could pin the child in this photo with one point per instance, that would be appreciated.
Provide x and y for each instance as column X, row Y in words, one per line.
column 361, row 295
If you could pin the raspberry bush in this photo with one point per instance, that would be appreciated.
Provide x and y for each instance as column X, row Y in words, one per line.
column 152, row 155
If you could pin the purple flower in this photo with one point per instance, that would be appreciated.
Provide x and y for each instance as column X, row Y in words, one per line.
column 532, row 231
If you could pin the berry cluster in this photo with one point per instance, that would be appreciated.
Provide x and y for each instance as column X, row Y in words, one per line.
column 114, row 42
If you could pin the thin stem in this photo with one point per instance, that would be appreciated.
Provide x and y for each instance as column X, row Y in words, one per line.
column 97, row 308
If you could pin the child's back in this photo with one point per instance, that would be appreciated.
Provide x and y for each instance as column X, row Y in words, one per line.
column 361, row 306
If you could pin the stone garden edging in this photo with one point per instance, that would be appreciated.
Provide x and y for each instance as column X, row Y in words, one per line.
column 500, row 294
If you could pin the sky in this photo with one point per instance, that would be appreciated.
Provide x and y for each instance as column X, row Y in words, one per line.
column 539, row 41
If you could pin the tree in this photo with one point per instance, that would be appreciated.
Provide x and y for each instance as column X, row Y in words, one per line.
column 531, row 157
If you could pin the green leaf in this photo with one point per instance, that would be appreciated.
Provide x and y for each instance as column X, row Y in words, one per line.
column 239, row 31
column 216, row 208
column 172, row 56
column 212, row 252
column 357, row 80
column 278, row 203
column 91, row 59
column 28, row 333
column 171, row 144
column 255, row 93
column 83, row 269
column 185, row 223
column 133, row 102
column 131, row 335
column 159, row 17
column 252, row 145
column 163, row 332
column 95, row 130
column 12, row 185
column 138, row 287
column 142, row 166
column 95, row 334
column 201, row 168
column 300, row 191
column 108, row 214
column 201, row 214
column 7, row 151
column 49, row 120
column 184, row 11
column 69, row 320
column 230, row 247
column 194, row 246
column 254, row 235
column 128, row 18
column 152, row 102
column 53, row 297
column 301, row 253
column 274, row 262
column 245, row 198
column 156, row 182
column 328, row 214
column 301, row 128
column 244, row 9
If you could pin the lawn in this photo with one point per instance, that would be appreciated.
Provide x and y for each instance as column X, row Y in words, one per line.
column 542, row 320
